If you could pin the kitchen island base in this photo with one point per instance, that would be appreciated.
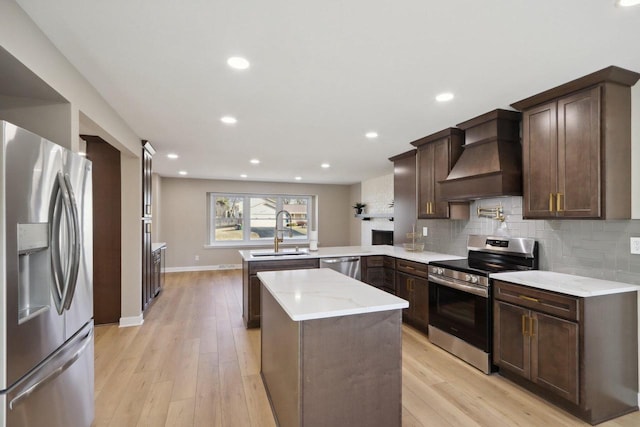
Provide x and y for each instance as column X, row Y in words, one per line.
column 336, row 371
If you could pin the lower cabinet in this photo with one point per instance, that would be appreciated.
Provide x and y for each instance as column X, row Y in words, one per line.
column 157, row 270
column 579, row 353
column 379, row 271
column 541, row 348
column 251, row 284
column 413, row 286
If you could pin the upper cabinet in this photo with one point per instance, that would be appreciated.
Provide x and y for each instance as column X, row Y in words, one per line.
column 577, row 148
column 436, row 155
column 404, row 194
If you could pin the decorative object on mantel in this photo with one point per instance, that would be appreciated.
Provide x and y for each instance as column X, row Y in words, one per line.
column 416, row 245
column 359, row 207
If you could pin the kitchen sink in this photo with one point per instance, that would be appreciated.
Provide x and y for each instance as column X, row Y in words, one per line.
column 279, row 253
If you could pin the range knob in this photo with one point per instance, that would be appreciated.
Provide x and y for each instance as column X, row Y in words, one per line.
column 474, row 279
column 440, row 270
column 467, row 277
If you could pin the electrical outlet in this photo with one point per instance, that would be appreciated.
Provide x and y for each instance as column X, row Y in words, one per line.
column 425, row 231
column 197, row 257
column 635, row 245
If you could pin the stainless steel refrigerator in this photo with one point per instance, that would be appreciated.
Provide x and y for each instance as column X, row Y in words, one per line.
column 46, row 302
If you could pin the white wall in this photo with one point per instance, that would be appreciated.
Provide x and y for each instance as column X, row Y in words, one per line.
column 183, row 213
column 377, row 194
column 24, row 40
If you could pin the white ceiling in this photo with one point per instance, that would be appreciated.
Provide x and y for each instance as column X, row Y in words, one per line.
column 323, row 73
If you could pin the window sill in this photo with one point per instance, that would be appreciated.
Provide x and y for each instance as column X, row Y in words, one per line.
column 256, row 245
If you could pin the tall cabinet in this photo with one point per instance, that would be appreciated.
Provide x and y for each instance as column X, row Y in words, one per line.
column 576, row 141
column 436, row 156
column 404, row 194
column 107, row 216
column 148, row 291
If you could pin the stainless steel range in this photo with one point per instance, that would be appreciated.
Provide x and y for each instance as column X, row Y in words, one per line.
column 460, row 295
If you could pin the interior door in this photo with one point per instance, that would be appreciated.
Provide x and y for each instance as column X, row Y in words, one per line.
column 34, row 326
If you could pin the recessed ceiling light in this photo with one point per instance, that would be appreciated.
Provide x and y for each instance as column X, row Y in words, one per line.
column 172, row 156
column 254, row 161
column 298, row 178
column 628, row 3
column 371, row 135
column 182, row 172
column 325, row 165
column 229, row 120
column 238, row 62
column 244, row 175
column 444, row 97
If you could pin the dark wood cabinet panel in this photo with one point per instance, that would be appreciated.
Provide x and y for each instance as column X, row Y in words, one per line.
column 576, row 148
column 404, row 194
column 436, row 155
column 148, row 292
column 554, row 355
column 251, row 283
column 511, row 346
column 107, row 245
column 415, row 290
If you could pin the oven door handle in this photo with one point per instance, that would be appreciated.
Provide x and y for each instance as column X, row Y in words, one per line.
column 479, row 291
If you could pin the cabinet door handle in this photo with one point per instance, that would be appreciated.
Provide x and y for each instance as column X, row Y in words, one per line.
column 524, row 297
column 550, row 202
column 559, row 202
column 532, row 323
column 524, row 325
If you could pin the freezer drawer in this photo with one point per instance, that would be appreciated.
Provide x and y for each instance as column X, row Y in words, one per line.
column 57, row 393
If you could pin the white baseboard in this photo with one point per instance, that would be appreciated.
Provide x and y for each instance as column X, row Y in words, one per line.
column 125, row 322
column 204, row 268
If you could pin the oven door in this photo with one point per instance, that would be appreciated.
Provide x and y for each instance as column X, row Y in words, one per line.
column 461, row 310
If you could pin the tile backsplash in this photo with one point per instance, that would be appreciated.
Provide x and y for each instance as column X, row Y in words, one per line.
column 592, row 248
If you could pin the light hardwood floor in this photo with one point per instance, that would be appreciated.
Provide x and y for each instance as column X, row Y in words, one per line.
column 192, row 363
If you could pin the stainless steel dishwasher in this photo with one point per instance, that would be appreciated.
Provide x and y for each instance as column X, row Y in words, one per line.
column 347, row 265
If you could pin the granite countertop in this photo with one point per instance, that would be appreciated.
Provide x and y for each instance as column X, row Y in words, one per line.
column 565, row 283
column 339, row 251
column 158, row 245
column 322, row 293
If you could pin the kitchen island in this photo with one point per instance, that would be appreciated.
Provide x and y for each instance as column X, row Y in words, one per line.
column 331, row 349
column 254, row 261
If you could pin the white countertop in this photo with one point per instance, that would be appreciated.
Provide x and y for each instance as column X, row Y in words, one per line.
column 158, row 245
column 339, row 251
column 565, row 283
column 321, row 293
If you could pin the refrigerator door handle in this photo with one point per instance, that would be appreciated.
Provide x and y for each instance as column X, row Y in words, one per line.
column 61, row 362
column 72, row 279
column 55, row 216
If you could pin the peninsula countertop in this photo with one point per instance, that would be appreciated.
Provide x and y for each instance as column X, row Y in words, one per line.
column 569, row 284
column 340, row 251
column 322, row 293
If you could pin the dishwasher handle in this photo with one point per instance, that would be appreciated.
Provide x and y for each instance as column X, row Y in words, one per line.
column 338, row 260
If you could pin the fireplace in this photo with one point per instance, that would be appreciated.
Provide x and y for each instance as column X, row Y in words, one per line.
column 381, row 237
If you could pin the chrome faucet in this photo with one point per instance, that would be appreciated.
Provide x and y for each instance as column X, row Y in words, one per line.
column 276, row 239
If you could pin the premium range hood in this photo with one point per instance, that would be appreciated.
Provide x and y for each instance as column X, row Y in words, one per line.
column 491, row 161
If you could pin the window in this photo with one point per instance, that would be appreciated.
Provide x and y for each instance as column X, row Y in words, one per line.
column 240, row 219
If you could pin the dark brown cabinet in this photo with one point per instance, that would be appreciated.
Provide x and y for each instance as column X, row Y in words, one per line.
column 157, row 272
column 404, row 194
column 579, row 353
column 436, row 156
column 107, row 245
column 413, row 286
column 251, row 284
column 148, row 291
column 379, row 271
column 539, row 347
column 577, row 147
